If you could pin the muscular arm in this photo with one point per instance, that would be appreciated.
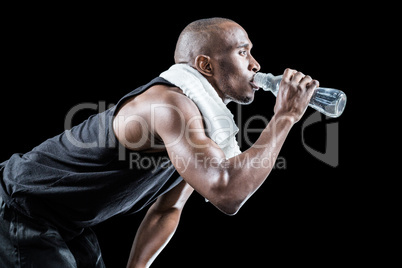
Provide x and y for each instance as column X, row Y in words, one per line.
column 228, row 183
column 158, row 226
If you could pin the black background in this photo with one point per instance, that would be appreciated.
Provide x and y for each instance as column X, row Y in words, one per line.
column 55, row 57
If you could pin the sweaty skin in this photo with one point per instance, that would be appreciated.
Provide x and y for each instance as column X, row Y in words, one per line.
column 224, row 59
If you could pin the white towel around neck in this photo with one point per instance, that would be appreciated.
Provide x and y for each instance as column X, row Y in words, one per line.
column 220, row 125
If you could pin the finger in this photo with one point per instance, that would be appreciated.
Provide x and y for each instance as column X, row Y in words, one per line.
column 297, row 77
column 305, row 80
column 312, row 85
column 288, row 74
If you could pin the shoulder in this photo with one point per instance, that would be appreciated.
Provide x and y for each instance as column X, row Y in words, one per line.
column 170, row 95
column 160, row 111
column 162, row 107
column 173, row 114
column 158, row 97
column 171, row 100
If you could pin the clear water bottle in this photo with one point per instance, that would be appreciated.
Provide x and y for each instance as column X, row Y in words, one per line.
column 328, row 101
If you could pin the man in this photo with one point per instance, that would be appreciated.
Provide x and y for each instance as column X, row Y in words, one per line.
column 51, row 196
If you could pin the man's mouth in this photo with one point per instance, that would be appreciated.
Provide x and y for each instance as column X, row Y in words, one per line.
column 254, row 86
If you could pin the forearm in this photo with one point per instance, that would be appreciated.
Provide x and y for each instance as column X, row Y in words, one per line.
column 246, row 172
column 260, row 158
column 152, row 236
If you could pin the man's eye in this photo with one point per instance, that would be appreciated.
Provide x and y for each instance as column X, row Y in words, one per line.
column 243, row 52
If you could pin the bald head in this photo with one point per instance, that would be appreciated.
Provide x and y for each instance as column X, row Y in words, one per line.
column 200, row 37
column 220, row 50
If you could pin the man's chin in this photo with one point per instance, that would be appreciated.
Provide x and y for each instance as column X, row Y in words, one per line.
column 245, row 100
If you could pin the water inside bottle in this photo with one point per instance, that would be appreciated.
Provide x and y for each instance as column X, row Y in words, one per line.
column 329, row 101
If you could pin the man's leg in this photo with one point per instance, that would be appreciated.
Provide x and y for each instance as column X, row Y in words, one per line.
column 86, row 250
column 9, row 256
column 25, row 243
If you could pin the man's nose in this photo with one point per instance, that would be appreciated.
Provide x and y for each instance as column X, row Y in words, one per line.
column 254, row 65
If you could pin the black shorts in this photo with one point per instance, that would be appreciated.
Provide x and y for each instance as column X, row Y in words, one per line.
column 24, row 243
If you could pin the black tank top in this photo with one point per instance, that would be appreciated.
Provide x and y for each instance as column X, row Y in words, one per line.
column 84, row 175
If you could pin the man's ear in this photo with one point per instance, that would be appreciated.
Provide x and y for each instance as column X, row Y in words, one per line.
column 203, row 65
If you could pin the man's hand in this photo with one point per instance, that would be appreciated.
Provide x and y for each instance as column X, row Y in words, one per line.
column 295, row 92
